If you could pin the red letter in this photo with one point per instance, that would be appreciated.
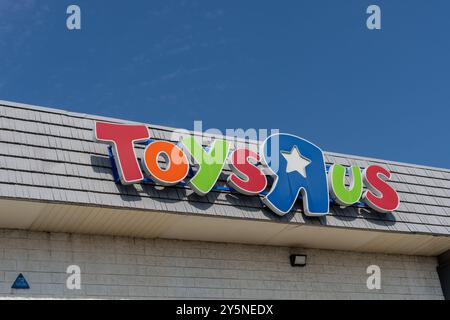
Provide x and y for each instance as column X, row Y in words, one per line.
column 380, row 196
column 122, row 137
column 246, row 177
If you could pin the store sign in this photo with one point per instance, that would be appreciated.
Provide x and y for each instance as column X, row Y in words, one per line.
column 297, row 166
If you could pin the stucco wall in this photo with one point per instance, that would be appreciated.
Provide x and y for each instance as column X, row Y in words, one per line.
column 137, row 268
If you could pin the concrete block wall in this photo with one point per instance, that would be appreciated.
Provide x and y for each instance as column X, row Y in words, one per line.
column 120, row 267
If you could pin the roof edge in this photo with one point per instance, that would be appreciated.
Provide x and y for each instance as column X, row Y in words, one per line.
column 165, row 128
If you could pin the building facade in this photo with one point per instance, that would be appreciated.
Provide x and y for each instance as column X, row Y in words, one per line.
column 61, row 206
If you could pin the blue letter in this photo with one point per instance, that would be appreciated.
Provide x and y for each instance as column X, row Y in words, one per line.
column 298, row 166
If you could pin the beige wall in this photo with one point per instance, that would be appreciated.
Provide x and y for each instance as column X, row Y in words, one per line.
column 137, row 268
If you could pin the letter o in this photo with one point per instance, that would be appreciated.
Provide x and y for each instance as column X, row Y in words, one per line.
column 176, row 160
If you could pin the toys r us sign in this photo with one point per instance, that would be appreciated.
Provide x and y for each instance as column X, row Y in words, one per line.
column 297, row 166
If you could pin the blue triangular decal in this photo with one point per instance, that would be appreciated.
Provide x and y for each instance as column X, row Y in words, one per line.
column 20, row 283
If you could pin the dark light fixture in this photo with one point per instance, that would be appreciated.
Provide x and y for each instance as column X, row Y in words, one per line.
column 298, row 260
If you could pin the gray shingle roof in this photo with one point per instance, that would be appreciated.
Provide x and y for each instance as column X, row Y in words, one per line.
column 49, row 155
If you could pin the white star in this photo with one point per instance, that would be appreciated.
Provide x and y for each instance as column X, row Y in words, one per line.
column 295, row 161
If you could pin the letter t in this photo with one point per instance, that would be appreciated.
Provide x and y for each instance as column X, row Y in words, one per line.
column 122, row 138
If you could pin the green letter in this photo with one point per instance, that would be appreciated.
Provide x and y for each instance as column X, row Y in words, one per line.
column 341, row 194
column 210, row 163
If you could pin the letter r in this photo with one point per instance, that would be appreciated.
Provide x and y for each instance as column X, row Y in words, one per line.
column 298, row 167
column 122, row 137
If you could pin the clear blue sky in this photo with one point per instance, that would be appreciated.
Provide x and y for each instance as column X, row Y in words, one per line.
column 309, row 68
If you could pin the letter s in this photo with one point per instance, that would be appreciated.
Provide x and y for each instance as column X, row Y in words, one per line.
column 246, row 178
column 380, row 196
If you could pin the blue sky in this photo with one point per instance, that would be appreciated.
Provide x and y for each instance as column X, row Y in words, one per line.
column 309, row 68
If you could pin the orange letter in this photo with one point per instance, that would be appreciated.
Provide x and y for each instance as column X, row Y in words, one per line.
column 177, row 166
